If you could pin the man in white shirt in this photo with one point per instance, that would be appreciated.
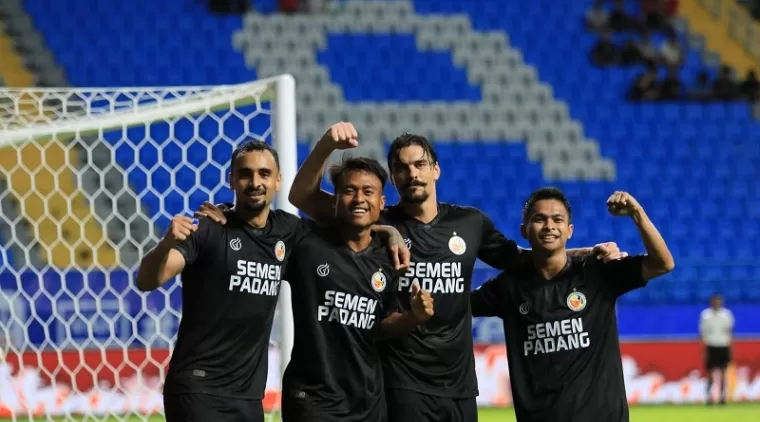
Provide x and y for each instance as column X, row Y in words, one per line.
column 715, row 326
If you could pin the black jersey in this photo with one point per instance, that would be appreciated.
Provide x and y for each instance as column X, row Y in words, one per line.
column 437, row 358
column 562, row 338
column 230, row 286
column 339, row 299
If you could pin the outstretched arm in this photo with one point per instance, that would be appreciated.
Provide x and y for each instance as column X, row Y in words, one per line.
column 499, row 252
column 305, row 192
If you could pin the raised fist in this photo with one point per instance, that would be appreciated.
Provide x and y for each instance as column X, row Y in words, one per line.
column 421, row 303
column 179, row 230
column 341, row 135
column 622, row 204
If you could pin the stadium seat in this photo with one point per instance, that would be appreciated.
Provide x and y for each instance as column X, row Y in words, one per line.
column 507, row 111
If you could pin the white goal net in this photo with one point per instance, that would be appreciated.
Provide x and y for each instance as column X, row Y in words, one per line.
column 89, row 181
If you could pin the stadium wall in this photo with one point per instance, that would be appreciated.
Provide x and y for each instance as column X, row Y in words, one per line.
column 655, row 373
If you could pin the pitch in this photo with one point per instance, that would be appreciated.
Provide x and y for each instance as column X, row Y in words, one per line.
column 672, row 413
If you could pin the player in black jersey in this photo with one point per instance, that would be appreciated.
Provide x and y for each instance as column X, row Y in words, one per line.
column 430, row 373
column 231, row 278
column 559, row 314
column 344, row 298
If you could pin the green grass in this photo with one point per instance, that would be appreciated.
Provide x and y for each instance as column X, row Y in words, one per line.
column 686, row 413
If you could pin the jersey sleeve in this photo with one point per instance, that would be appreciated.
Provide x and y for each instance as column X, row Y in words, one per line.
column 623, row 275
column 487, row 300
column 495, row 249
column 192, row 247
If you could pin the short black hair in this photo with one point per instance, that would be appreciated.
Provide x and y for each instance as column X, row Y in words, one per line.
column 365, row 164
column 544, row 193
column 408, row 139
column 253, row 146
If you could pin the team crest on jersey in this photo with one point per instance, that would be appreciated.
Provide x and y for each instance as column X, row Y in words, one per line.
column 378, row 281
column 457, row 245
column 524, row 308
column 279, row 250
column 408, row 243
column 323, row 270
column 236, row 244
column 576, row 301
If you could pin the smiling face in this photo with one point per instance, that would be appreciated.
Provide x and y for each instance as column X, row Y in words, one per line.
column 255, row 179
column 359, row 199
column 547, row 225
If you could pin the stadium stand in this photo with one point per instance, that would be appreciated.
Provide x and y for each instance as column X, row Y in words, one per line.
column 512, row 125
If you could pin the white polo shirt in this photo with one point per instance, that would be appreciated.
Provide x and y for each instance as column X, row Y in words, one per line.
column 715, row 327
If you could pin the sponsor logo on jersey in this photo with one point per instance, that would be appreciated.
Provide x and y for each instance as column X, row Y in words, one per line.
column 576, row 301
column 348, row 309
column 279, row 250
column 408, row 243
column 525, row 308
column 556, row 336
column 435, row 277
column 323, row 270
column 457, row 245
column 236, row 244
column 378, row 281
column 256, row 278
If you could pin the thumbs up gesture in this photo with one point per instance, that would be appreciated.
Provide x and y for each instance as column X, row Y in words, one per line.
column 421, row 303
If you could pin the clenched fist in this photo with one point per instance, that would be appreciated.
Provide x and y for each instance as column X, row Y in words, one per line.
column 341, row 135
column 421, row 303
column 179, row 230
column 622, row 204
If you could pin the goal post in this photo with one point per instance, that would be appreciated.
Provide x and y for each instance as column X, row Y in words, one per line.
column 89, row 180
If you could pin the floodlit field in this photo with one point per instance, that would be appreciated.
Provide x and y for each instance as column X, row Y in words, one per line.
column 690, row 413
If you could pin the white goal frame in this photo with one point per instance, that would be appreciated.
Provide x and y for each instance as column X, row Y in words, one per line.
column 283, row 126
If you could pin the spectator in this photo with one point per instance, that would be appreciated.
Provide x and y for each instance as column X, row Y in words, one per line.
column 645, row 86
column 629, row 53
column 655, row 14
column 605, row 52
column 724, row 87
column 619, row 19
column 647, row 50
column 750, row 88
column 596, row 17
column 671, row 51
column 670, row 89
column 702, row 90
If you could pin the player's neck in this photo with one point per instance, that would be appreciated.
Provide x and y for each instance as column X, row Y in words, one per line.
column 549, row 264
column 256, row 219
column 356, row 239
column 424, row 212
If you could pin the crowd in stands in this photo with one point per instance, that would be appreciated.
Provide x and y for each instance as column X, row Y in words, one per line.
column 608, row 18
column 753, row 6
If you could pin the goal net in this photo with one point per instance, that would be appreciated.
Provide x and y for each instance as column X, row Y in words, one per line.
column 89, row 181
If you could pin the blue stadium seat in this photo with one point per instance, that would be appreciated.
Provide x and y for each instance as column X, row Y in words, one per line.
column 693, row 166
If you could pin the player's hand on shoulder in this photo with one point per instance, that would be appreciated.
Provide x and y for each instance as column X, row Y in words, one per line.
column 341, row 135
column 421, row 303
column 622, row 204
column 180, row 229
column 400, row 254
column 608, row 251
column 211, row 211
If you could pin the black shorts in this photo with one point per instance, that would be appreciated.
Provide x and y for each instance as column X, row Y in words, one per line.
column 411, row 406
column 196, row 407
column 717, row 357
column 299, row 407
